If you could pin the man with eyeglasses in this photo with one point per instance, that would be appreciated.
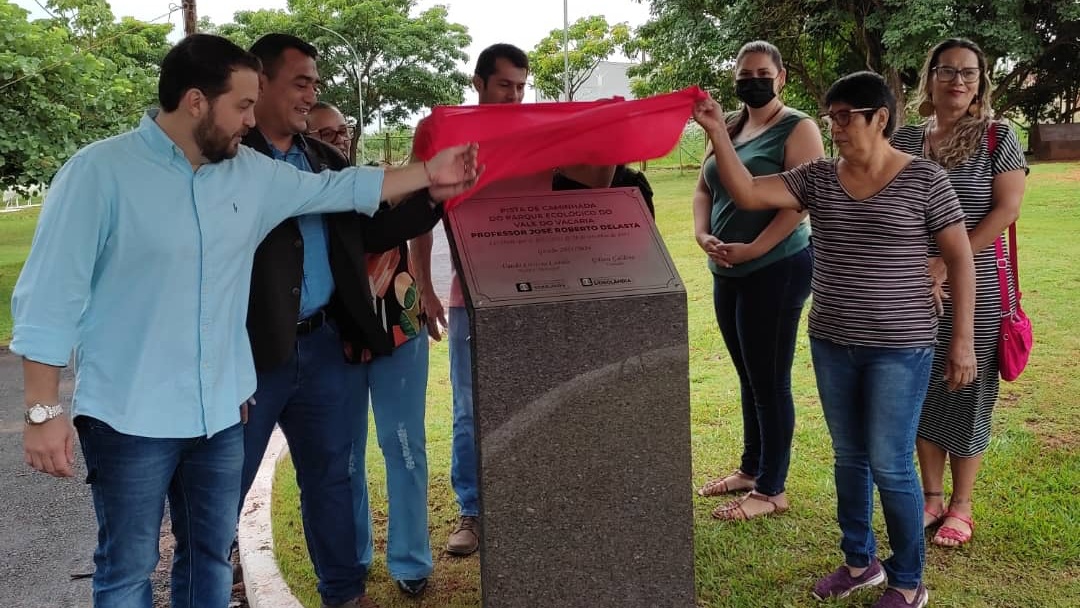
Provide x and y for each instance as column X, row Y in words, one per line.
column 309, row 295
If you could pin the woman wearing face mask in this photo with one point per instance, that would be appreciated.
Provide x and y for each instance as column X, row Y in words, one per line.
column 955, row 425
column 761, row 263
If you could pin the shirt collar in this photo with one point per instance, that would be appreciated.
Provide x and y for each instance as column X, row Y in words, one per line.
column 299, row 146
column 152, row 133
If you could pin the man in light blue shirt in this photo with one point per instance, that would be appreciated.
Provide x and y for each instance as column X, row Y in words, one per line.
column 141, row 263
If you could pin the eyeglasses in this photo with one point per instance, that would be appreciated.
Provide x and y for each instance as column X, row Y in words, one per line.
column 842, row 118
column 946, row 73
column 331, row 134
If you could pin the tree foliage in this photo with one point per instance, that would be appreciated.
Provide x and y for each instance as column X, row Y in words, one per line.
column 70, row 80
column 1026, row 42
column 407, row 62
column 591, row 40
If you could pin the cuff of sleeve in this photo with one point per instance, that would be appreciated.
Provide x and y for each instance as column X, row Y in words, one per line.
column 42, row 344
column 367, row 190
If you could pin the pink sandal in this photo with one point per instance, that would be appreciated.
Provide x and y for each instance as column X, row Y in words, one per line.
column 935, row 517
column 953, row 534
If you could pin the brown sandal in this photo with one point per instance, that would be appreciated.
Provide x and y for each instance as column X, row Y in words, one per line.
column 733, row 511
column 720, row 485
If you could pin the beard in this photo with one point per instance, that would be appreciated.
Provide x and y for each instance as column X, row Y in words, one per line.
column 214, row 143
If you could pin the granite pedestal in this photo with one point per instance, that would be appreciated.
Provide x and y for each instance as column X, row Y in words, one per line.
column 581, row 397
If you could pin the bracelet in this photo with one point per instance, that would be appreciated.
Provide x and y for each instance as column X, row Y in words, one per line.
column 427, row 172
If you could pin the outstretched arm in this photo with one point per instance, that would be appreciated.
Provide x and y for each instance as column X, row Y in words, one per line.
column 748, row 192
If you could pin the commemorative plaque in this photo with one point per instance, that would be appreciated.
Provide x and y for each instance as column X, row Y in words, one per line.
column 560, row 246
column 582, row 400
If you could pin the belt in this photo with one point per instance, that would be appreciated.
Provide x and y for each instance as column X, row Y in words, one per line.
column 311, row 323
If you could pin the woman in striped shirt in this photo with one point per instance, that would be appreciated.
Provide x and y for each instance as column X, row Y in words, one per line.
column 989, row 180
column 873, row 323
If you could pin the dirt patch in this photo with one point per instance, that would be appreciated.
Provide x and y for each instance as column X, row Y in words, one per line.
column 1054, row 435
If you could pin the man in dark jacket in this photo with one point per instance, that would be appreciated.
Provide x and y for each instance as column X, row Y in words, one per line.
column 309, row 292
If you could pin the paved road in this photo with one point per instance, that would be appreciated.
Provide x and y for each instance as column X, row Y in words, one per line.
column 47, row 527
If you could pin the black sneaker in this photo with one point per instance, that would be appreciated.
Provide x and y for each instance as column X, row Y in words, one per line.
column 412, row 588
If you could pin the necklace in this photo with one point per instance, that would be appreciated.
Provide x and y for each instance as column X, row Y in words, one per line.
column 748, row 135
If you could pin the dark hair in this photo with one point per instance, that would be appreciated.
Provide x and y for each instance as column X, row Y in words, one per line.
column 737, row 120
column 864, row 90
column 322, row 105
column 204, row 62
column 271, row 47
column 485, row 63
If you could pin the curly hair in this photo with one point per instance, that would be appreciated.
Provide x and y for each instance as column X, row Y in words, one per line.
column 969, row 130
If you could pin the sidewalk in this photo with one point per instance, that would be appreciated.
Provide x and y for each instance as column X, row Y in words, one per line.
column 47, row 526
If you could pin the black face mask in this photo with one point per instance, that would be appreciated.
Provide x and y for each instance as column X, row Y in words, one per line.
column 755, row 92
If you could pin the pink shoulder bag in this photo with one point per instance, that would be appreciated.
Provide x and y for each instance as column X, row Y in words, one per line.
column 1015, row 339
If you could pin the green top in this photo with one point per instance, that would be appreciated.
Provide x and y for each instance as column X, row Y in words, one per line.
column 762, row 155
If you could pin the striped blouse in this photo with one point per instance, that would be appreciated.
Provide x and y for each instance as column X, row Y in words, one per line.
column 870, row 282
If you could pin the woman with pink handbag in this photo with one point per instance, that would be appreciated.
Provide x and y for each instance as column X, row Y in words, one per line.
column 988, row 172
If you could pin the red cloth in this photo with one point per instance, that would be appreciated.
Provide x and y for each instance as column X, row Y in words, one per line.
column 522, row 139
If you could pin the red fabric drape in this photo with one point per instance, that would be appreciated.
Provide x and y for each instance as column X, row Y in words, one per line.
column 523, row 139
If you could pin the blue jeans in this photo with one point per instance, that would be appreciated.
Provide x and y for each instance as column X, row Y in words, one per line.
column 758, row 315
column 463, row 464
column 872, row 398
column 308, row 397
column 397, row 385
column 130, row 478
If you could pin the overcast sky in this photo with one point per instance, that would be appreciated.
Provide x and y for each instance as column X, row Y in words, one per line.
column 489, row 21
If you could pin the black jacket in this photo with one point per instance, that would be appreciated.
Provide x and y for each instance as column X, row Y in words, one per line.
column 274, row 304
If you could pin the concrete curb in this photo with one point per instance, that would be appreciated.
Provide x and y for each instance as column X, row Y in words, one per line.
column 263, row 583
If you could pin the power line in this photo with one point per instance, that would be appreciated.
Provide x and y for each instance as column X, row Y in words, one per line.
column 172, row 9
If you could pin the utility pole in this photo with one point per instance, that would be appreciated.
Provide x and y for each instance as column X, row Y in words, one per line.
column 191, row 18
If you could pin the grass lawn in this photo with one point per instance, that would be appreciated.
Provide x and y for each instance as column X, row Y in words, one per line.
column 16, row 232
column 1026, row 549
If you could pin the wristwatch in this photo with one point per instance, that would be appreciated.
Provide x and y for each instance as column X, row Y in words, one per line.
column 40, row 414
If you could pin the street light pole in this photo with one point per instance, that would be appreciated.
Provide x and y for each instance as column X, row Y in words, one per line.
column 566, row 49
column 359, row 91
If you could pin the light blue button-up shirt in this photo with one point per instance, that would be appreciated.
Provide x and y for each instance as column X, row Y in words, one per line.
column 318, row 280
column 143, row 266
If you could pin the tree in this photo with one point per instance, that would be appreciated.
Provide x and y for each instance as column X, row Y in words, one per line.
column 406, row 63
column 822, row 40
column 591, row 40
column 68, row 81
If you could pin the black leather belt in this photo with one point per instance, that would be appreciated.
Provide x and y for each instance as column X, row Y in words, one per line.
column 311, row 323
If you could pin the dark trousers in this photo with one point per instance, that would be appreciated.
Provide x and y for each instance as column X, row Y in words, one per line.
column 758, row 315
column 307, row 396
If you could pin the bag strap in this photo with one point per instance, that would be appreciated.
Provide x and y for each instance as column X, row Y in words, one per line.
column 1003, row 278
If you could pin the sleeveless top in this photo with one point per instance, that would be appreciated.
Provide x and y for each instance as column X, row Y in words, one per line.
column 762, row 155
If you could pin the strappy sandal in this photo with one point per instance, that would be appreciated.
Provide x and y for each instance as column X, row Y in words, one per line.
column 734, row 510
column 960, row 537
column 720, row 485
column 935, row 517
